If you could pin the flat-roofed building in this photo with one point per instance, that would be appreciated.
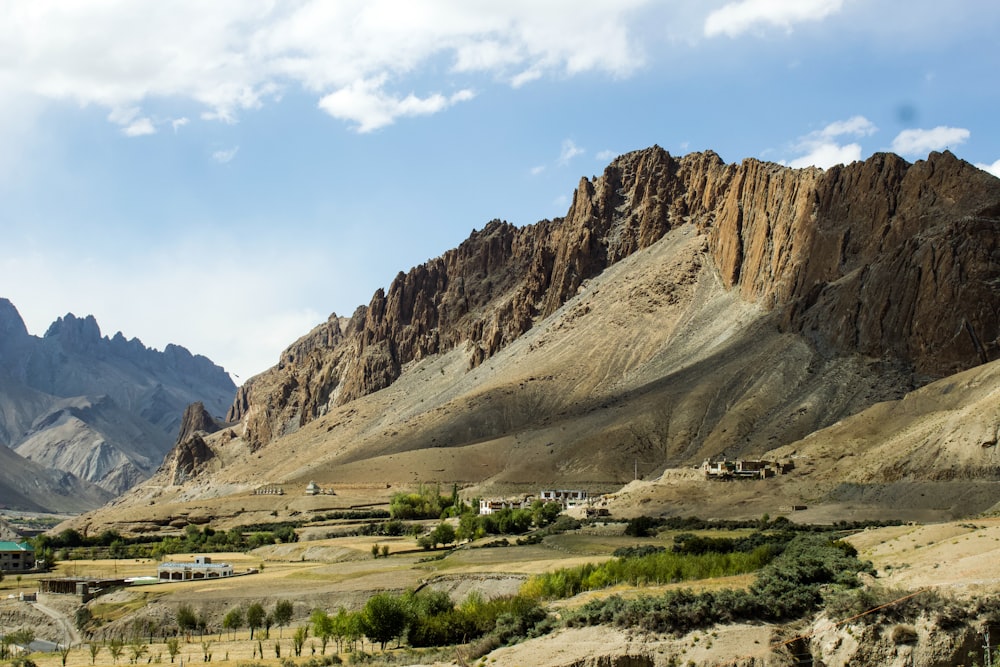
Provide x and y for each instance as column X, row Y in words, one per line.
column 201, row 568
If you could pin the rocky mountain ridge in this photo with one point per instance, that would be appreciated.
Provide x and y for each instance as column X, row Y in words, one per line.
column 104, row 410
column 883, row 258
column 683, row 309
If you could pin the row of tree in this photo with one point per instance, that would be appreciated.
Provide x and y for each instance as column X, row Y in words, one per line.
column 70, row 543
column 253, row 617
column 425, row 618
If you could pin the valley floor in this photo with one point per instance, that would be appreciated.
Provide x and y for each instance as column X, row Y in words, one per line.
column 957, row 558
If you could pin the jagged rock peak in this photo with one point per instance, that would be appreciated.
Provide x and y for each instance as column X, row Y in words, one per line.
column 11, row 324
column 197, row 419
column 72, row 329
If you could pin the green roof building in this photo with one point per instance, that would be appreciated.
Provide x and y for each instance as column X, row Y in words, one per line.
column 16, row 557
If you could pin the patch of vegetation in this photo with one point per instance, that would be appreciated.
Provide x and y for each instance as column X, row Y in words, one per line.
column 428, row 618
column 645, row 526
column 652, row 566
column 426, row 503
column 351, row 515
column 111, row 544
column 788, row 587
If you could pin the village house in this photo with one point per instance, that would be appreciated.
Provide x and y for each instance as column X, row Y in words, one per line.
column 201, row 568
column 16, row 557
column 743, row 469
column 489, row 506
column 568, row 498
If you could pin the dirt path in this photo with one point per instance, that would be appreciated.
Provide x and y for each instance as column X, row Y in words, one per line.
column 71, row 637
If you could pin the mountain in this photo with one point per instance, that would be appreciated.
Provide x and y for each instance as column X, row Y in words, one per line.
column 683, row 308
column 102, row 410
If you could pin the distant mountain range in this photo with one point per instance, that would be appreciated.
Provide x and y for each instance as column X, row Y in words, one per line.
column 85, row 417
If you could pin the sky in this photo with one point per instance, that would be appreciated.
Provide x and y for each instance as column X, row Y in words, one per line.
column 225, row 175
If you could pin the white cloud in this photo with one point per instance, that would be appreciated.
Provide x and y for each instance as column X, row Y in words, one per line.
column 920, row 142
column 569, row 151
column 527, row 76
column 992, row 168
column 223, row 156
column 132, row 124
column 605, row 156
column 368, row 105
column 857, row 126
column 536, row 170
column 736, row 18
column 822, row 148
column 178, row 123
column 825, row 155
column 228, row 56
column 139, row 127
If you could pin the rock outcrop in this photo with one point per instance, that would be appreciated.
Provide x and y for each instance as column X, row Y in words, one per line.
column 197, row 419
column 884, row 258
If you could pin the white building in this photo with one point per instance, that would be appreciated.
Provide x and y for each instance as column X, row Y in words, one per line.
column 567, row 497
column 494, row 505
column 201, row 568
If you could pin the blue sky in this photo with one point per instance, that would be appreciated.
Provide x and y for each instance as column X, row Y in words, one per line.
column 225, row 175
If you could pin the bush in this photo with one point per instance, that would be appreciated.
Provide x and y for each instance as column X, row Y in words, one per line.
column 640, row 526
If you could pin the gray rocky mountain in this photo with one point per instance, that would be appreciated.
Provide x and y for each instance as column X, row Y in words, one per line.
column 90, row 410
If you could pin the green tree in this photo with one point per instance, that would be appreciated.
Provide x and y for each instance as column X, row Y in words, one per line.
column 385, row 617
column 283, row 611
column 233, row 620
column 94, row 649
column 22, row 636
column 115, row 648
column 322, row 627
column 469, row 527
column 255, row 617
column 187, row 620
column 173, row 647
column 342, row 627
column 442, row 534
column 136, row 650
column 64, row 654
column 299, row 639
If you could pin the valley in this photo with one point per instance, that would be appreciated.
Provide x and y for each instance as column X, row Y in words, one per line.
column 843, row 322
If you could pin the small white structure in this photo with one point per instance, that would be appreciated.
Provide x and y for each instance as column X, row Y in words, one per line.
column 201, row 568
column 567, row 497
column 312, row 489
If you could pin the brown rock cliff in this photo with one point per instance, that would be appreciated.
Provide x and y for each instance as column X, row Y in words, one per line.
column 879, row 257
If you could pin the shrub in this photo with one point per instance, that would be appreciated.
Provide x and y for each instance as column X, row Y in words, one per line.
column 640, row 526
